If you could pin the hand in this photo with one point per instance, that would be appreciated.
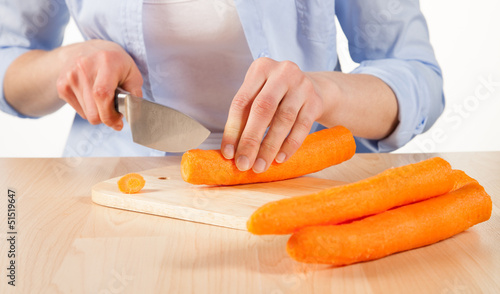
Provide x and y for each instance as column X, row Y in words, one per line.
column 88, row 81
column 277, row 95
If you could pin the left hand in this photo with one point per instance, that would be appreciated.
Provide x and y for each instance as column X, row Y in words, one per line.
column 277, row 95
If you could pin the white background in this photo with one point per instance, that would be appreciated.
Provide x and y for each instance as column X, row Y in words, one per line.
column 466, row 38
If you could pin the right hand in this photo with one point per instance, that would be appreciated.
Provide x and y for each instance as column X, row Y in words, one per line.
column 93, row 69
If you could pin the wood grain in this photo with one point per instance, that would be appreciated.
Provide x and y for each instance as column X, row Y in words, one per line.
column 68, row 244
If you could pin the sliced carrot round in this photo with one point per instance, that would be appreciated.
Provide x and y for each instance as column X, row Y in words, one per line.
column 131, row 183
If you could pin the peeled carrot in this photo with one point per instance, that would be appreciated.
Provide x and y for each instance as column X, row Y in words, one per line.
column 391, row 188
column 318, row 151
column 392, row 231
column 461, row 179
column 131, row 183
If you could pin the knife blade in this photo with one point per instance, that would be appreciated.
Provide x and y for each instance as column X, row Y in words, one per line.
column 157, row 126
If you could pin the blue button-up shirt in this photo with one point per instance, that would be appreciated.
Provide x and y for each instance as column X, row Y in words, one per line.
column 389, row 39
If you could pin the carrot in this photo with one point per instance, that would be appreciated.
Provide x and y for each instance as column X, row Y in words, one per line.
column 131, row 183
column 392, row 231
column 391, row 188
column 461, row 179
column 318, row 151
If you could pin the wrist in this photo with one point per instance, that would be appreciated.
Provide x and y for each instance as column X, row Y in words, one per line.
column 362, row 103
column 67, row 54
column 332, row 95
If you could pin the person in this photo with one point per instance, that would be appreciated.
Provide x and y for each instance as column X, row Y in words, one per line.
column 261, row 75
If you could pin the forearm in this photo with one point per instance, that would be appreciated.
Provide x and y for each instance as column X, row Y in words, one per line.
column 30, row 82
column 362, row 103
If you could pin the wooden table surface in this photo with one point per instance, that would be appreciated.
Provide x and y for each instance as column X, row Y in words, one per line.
column 64, row 243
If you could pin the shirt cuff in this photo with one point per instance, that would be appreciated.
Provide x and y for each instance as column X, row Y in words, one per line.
column 7, row 56
column 412, row 95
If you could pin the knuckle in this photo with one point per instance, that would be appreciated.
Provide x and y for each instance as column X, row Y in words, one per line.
column 105, row 56
column 304, row 124
column 286, row 115
column 288, row 66
column 263, row 61
column 264, row 106
column 82, row 62
column 270, row 147
column 231, row 132
column 291, row 72
column 102, row 93
column 240, row 102
column 251, row 141
column 261, row 64
column 62, row 86
column 71, row 76
column 292, row 142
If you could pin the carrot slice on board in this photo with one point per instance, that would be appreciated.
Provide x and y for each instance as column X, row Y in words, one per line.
column 131, row 183
column 392, row 231
column 391, row 188
column 318, row 151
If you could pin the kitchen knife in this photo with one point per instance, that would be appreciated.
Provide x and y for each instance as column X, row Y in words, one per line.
column 157, row 126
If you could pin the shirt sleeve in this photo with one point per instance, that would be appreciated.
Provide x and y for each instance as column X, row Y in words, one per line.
column 27, row 25
column 390, row 40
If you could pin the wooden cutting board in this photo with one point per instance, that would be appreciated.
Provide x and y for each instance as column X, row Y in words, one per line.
column 166, row 194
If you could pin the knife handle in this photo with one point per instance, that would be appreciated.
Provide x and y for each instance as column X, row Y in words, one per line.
column 119, row 101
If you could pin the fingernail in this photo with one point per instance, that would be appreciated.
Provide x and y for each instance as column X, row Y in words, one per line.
column 259, row 166
column 242, row 163
column 280, row 157
column 228, row 152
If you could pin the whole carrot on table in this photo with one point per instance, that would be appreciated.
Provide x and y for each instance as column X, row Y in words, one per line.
column 391, row 188
column 392, row 231
column 461, row 179
column 318, row 151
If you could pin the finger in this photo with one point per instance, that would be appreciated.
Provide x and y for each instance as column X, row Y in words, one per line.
column 132, row 81
column 66, row 93
column 281, row 124
column 241, row 104
column 85, row 95
column 238, row 115
column 103, row 92
column 261, row 113
column 75, row 85
column 301, row 128
column 115, row 69
column 73, row 102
